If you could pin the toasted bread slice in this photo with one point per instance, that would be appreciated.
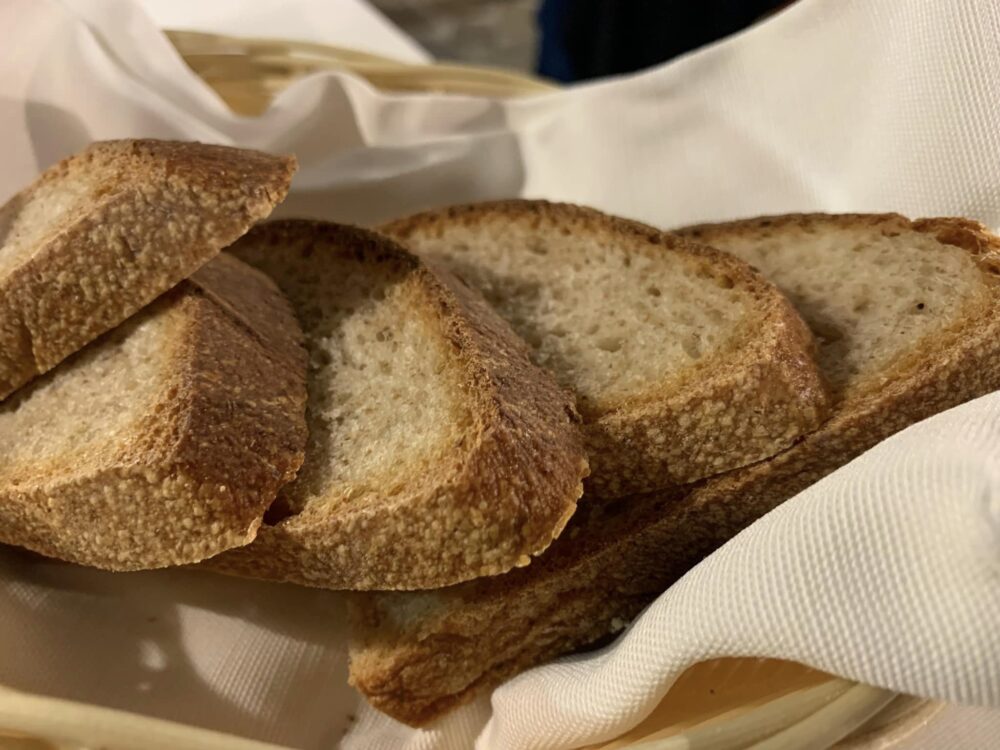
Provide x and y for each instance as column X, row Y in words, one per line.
column 906, row 314
column 164, row 441
column 437, row 451
column 685, row 362
column 101, row 234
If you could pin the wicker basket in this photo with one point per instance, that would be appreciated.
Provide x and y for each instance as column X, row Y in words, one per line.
column 249, row 73
column 719, row 705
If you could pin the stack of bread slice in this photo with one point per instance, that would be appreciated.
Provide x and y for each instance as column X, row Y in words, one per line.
column 508, row 426
column 316, row 399
column 152, row 388
column 904, row 314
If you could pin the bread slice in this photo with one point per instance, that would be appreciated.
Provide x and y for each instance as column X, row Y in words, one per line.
column 685, row 362
column 101, row 234
column 164, row 441
column 437, row 451
column 906, row 314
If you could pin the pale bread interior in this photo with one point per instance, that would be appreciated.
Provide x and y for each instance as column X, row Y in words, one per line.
column 867, row 296
column 610, row 319
column 88, row 406
column 386, row 401
column 54, row 205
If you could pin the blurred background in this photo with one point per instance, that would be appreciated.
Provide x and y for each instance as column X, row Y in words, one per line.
column 571, row 40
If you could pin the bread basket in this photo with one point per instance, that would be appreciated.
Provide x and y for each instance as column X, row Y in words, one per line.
column 721, row 704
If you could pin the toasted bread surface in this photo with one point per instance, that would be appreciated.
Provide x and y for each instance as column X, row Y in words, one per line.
column 164, row 441
column 685, row 363
column 437, row 451
column 101, row 234
column 417, row 655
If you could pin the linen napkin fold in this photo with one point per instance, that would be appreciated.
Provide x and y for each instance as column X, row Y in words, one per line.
column 886, row 572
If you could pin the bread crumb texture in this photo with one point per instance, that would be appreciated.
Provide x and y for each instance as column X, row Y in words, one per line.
column 684, row 362
column 868, row 296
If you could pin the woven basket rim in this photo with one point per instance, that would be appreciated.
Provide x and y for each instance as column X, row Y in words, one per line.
column 247, row 72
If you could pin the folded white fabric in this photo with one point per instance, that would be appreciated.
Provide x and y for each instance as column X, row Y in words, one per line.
column 837, row 105
column 888, row 572
column 258, row 660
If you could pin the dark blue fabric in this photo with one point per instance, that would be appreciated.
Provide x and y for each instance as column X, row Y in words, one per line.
column 583, row 39
column 553, row 59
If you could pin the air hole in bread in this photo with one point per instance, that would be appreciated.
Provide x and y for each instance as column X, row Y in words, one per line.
column 537, row 248
column 277, row 512
column 692, row 347
column 826, row 332
column 609, row 343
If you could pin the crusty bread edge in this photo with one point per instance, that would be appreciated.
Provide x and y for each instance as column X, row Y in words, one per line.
column 206, row 459
column 140, row 239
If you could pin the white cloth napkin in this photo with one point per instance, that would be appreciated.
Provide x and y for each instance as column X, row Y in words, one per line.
column 888, row 572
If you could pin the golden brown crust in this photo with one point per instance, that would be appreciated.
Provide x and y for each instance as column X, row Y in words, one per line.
column 161, row 210
column 730, row 410
column 611, row 562
column 225, row 430
column 506, row 498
